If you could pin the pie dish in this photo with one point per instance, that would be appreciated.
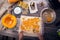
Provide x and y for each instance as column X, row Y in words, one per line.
column 48, row 15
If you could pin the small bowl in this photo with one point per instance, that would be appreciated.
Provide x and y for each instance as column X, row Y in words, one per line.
column 17, row 10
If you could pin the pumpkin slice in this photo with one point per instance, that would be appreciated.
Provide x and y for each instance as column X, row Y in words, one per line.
column 9, row 21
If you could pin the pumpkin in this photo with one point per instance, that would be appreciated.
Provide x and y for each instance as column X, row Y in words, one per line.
column 12, row 1
column 9, row 21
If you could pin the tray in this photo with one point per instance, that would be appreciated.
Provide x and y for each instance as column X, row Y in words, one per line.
column 29, row 31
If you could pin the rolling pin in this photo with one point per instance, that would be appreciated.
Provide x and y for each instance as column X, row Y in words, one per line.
column 4, row 7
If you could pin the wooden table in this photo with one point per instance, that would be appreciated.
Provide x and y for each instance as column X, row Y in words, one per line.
column 13, row 32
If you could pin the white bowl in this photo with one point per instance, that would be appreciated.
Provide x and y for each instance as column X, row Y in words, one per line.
column 17, row 10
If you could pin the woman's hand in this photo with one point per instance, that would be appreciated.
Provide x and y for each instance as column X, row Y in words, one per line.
column 21, row 35
column 40, row 36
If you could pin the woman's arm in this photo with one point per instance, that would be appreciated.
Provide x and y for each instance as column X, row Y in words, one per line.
column 21, row 36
